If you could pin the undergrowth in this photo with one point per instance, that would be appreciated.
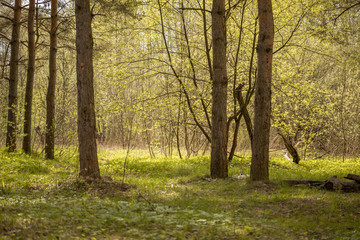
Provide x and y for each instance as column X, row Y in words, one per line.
column 171, row 198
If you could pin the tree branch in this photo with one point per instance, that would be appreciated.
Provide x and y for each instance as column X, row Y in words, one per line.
column 292, row 32
column 346, row 9
column 178, row 77
column 7, row 18
column 4, row 36
column 196, row 9
column 7, row 5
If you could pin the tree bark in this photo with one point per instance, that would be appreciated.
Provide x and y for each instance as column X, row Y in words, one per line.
column 219, row 163
column 260, row 148
column 290, row 148
column 50, row 97
column 89, row 166
column 30, row 79
column 243, row 112
column 13, row 79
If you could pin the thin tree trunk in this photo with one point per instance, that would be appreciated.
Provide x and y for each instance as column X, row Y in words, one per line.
column 260, row 148
column 50, row 97
column 30, row 79
column 237, row 119
column 191, row 109
column 13, row 79
column 89, row 166
column 177, row 131
column 219, row 163
column 235, row 136
column 190, row 58
column 245, row 113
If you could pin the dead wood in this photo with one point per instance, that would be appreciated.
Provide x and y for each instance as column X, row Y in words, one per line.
column 354, row 177
column 304, row 182
column 332, row 184
column 290, row 148
column 335, row 184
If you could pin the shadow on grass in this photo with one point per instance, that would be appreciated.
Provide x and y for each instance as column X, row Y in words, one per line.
column 174, row 199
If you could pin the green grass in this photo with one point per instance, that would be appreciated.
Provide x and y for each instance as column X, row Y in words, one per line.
column 173, row 199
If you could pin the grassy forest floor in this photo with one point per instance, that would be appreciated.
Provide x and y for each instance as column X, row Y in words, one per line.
column 172, row 199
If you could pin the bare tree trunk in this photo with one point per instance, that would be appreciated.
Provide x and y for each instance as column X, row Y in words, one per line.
column 244, row 112
column 290, row 148
column 235, row 67
column 260, row 147
column 177, row 133
column 13, row 79
column 219, row 164
column 50, row 97
column 89, row 166
column 30, row 79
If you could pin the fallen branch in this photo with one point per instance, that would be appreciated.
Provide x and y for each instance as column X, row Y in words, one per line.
column 305, row 182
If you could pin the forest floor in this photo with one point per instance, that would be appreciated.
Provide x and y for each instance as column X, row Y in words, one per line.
column 172, row 198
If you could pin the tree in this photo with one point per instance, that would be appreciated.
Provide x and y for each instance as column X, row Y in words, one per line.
column 30, row 78
column 219, row 167
column 260, row 147
column 89, row 166
column 50, row 97
column 13, row 79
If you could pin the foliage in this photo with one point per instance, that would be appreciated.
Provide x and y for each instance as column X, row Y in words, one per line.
column 146, row 97
column 173, row 199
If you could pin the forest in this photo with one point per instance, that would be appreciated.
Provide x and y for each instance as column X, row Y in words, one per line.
column 179, row 119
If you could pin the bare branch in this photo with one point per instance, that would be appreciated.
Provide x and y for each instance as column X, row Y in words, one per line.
column 7, row 18
column 2, row 35
column 346, row 9
column 7, row 5
column 196, row 9
column 292, row 32
column 177, row 75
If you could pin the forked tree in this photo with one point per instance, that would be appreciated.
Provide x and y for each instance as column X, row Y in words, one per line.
column 89, row 166
column 260, row 148
column 219, row 164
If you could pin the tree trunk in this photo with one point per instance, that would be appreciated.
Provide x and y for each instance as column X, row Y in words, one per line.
column 50, row 97
column 30, row 79
column 243, row 112
column 13, row 79
column 234, row 142
column 89, row 166
column 219, row 164
column 290, row 148
column 260, row 148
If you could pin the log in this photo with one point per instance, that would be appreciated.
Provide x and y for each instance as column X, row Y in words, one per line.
column 333, row 184
column 354, row 177
column 305, row 182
